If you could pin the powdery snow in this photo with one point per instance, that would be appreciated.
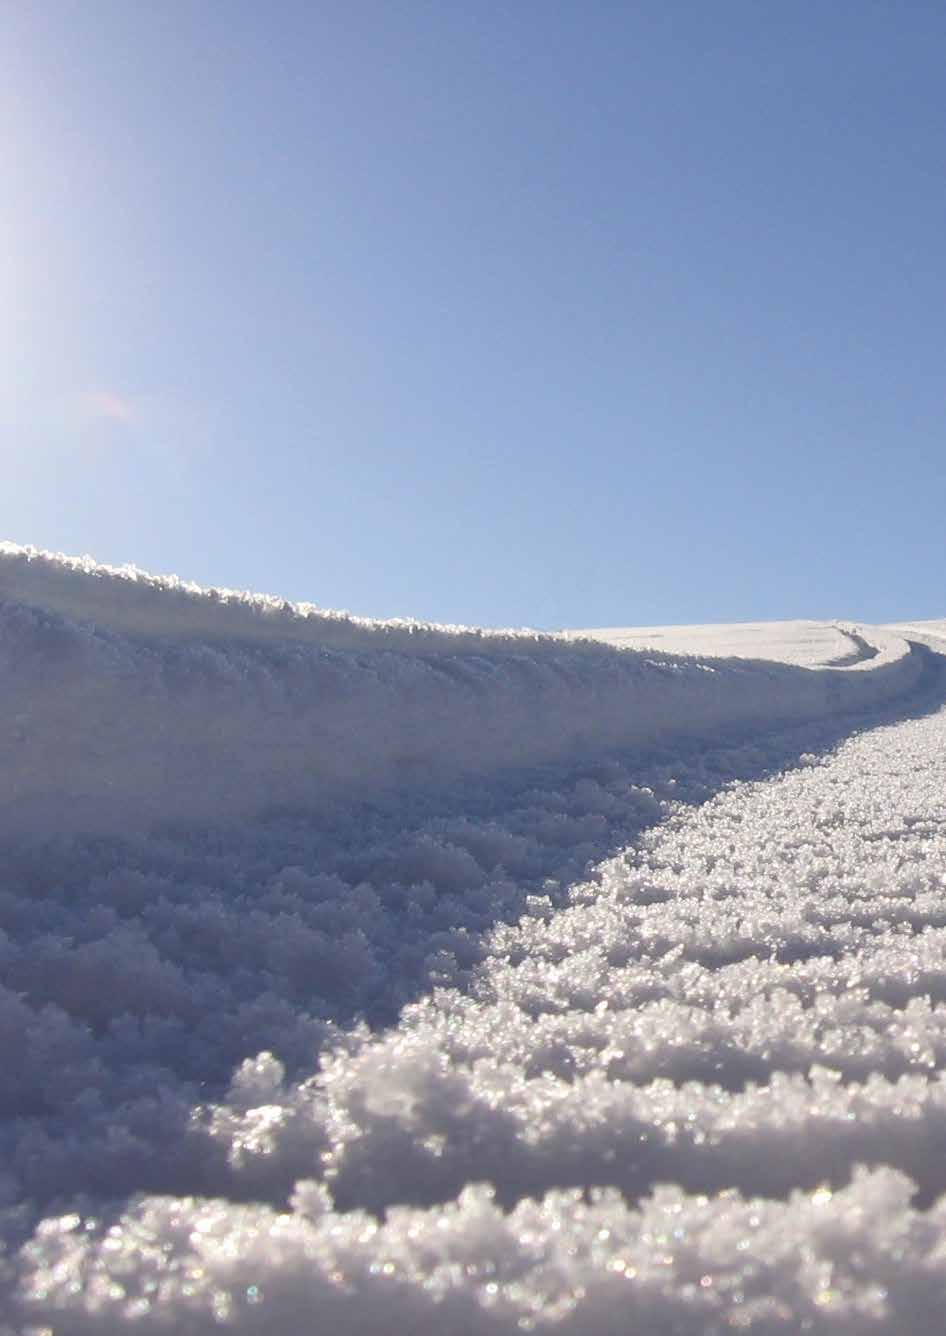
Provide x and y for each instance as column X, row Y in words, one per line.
column 812, row 644
column 607, row 1038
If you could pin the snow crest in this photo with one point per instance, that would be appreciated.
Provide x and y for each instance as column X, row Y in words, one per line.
column 135, row 703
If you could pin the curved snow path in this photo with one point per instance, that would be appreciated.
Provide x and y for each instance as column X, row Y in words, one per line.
column 694, row 1087
column 705, row 1094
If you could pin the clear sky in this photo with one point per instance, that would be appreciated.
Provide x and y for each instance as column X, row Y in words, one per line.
column 540, row 313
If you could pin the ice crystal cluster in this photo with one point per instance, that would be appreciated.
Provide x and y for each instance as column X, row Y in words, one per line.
column 598, row 1039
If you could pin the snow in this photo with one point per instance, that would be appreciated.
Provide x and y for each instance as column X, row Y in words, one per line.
column 928, row 633
column 812, row 644
column 623, row 1009
column 135, row 704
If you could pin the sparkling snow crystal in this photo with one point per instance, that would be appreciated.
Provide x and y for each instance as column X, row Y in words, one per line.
column 573, row 1025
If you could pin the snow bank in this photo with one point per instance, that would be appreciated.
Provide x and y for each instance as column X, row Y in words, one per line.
column 699, row 1087
column 135, row 703
column 126, row 599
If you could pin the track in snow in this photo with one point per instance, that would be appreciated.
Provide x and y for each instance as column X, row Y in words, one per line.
column 745, row 1003
column 614, row 1038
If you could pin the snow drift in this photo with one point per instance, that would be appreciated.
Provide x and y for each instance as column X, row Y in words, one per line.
column 137, row 703
column 485, row 984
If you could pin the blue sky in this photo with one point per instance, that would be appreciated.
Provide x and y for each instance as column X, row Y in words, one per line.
column 504, row 313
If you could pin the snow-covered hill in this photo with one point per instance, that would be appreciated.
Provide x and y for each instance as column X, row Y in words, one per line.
column 359, row 976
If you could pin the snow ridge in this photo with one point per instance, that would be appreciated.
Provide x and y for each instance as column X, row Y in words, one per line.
column 135, row 703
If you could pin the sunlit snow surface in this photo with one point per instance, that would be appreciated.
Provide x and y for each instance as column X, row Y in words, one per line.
column 810, row 643
column 627, row 1039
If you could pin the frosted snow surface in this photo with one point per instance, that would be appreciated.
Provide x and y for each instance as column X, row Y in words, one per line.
column 637, row 1028
column 813, row 644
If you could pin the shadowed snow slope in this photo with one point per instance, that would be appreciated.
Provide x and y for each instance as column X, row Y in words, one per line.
column 582, row 991
column 132, row 702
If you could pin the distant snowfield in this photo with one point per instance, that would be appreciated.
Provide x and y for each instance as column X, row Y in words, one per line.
column 358, row 977
column 928, row 633
column 811, row 644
